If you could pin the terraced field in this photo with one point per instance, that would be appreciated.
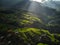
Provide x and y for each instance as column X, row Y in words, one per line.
column 26, row 28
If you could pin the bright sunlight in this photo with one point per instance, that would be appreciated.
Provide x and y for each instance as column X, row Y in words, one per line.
column 41, row 1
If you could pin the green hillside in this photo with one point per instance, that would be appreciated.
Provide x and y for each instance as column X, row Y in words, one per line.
column 25, row 28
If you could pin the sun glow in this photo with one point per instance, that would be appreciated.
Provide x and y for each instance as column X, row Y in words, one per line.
column 41, row 1
column 38, row 0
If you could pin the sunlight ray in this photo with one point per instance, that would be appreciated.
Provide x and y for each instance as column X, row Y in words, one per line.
column 41, row 1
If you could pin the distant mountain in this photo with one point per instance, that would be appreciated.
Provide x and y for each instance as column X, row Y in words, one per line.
column 52, row 4
column 11, row 3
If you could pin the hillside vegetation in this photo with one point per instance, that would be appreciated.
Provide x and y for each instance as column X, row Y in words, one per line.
column 25, row 28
